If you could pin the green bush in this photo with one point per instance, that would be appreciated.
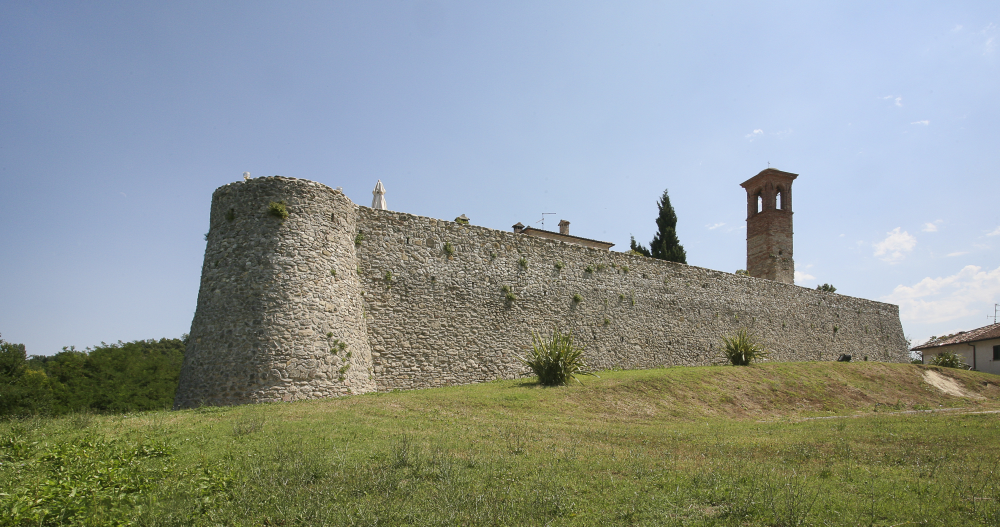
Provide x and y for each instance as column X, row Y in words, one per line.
column 449, row 249
column 743, row 348
column 278, row 209
column 947, row 359
column 555, row 360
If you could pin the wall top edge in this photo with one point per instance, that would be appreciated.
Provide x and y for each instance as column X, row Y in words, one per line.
column 530, row 239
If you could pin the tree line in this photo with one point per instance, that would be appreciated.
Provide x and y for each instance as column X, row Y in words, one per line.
column 123, row 377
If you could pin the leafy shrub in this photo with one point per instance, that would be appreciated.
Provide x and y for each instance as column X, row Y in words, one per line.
column 560, row 265
column 826, row 288
column 278, row 209
column 523, row 263
column 555, row 360
column 360, row 237
column 947, row 359
column 577, row 298
column 743, row 348
column 449, row 249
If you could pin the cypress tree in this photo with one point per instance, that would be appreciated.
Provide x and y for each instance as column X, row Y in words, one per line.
column 665, row 244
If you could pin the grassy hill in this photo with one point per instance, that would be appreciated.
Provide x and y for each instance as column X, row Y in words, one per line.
column 774, row 444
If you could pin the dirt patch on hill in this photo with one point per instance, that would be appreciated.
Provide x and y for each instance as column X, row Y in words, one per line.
column 948, row 385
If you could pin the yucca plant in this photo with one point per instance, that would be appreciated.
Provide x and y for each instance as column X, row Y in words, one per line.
column 555, row 360
column 743, row 348
column 948, row 359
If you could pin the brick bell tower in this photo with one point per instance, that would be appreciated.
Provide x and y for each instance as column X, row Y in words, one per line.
column 769, row 225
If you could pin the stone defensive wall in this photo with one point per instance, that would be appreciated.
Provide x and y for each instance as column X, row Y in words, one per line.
column 338, row 299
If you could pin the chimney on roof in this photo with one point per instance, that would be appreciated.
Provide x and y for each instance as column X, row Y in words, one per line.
column 564, row 227
column 518, row 227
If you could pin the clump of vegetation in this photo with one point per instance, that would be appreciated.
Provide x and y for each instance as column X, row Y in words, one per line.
column 387, row 277
column 358, row 238
column 462, row 220
column 742, row 272
column 123, row 377
column 826, row 288
column 743, row 348
column 560, row 265
column 449, row 249
column 278, row 209
column 577, row 298
column 508, row 294
column 624, row 268
column 555, row 360
column 947, row 359
column 522, row 263
column 589, row 269
column 337, row 346
column 333, row 272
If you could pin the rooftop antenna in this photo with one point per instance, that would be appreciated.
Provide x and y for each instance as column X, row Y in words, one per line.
column 542, row 221
column 996, row 308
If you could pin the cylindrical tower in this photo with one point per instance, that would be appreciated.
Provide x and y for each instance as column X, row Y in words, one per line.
column 280, row 314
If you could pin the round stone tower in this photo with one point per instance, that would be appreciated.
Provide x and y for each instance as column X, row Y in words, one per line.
column 280, row 314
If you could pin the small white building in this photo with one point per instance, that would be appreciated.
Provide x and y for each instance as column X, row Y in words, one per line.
column 980, row 348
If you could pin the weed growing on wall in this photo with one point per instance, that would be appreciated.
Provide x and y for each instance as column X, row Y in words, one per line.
column 359, row 238
column 589, row 269
column 508, row 294
column 559, row 265
column 743, row 348
column 555, row 360
column 577, row 298
column 278, row 209
column 449, row 249
column 522, row 263
column 387, row 277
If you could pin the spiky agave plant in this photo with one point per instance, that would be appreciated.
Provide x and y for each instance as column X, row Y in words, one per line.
column 743, row 348
column 555, row 360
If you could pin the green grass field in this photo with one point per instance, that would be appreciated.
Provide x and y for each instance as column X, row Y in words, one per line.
column 775, row 444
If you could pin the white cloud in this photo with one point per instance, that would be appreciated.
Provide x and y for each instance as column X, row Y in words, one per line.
column 714, row 226
column 755, row 134
column 959, row 253
column 958, row 27
column 898, row 99
column 996, row 232
column 925, row 122
column 893, row 248
column 934, row 300
column 803, row 277
column 932, row 226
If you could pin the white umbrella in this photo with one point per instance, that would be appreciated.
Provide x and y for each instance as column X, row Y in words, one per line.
column 378, row 196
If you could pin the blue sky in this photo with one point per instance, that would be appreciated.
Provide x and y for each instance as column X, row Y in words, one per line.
column 118, row 120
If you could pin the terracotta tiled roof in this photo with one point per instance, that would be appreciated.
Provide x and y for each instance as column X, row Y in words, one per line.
column 529, row 230
column 984, row 333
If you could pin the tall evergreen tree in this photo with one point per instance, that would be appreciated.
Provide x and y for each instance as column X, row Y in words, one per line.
column 638, row 248
column 665, row 244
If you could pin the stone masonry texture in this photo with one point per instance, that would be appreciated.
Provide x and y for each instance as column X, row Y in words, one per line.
column 339, row 299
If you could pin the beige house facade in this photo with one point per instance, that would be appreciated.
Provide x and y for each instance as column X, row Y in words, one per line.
column 979, row 348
